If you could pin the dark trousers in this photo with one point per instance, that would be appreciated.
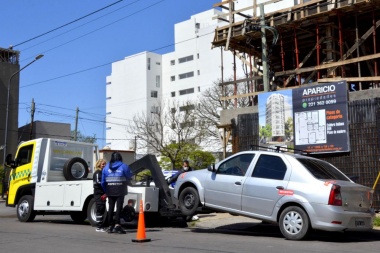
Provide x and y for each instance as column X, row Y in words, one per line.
column 100, row 209
column 119, row 201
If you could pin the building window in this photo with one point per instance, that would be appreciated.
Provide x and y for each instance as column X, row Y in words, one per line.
column 148, row 63
column 199, row 72
column 198, row 55
column 185, row 59
column 187, row 91
column 173, row 93
column 158, row 81
column 158, row 63
column 186, row 108
column 108, row 128
column 108, row 83
column 108, row 98
column 199, row 88
column 108, row 113
column 154, row 109
column 172, row 62
column 186, row 75
column 197, row 25
column 172, row 78
column 153, row 93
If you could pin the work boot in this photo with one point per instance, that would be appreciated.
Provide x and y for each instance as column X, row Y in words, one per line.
column 110, row 230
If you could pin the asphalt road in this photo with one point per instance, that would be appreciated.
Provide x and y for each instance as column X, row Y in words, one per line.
column 212, row 233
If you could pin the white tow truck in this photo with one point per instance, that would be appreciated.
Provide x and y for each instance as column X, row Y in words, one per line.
column 52, row 176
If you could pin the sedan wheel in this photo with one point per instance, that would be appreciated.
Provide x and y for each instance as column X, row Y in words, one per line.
column 294, row 223
column 188, row 201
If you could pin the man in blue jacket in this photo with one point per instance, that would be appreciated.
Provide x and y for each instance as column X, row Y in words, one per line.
column 115, row 178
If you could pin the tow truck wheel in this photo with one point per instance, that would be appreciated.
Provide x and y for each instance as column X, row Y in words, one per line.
column 188, row 201
column 91, row 213
column 78, row 217
column 25, row 212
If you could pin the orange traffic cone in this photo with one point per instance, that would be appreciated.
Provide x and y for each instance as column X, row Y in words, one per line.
column 140, row 236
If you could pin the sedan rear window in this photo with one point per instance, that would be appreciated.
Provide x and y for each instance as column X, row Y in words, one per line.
column 321, row 169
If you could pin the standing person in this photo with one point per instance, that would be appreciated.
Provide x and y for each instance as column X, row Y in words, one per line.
column 115, row 178
column 185, row 168
column 99, row 195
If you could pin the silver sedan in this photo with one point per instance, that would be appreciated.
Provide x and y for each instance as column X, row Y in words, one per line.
column 297, row 192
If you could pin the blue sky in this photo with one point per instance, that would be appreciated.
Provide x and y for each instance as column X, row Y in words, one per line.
column 78, row 57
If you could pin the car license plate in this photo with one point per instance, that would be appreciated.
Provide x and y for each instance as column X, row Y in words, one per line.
column 359, row 223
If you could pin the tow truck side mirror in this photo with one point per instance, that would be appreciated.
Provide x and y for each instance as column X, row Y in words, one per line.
column 9, row 162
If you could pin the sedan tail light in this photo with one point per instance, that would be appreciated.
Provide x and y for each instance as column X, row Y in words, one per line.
column 335, row 198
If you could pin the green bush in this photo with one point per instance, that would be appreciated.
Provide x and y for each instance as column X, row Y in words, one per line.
column 376, row 221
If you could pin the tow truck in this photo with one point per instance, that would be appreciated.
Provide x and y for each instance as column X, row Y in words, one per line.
column 53, row 176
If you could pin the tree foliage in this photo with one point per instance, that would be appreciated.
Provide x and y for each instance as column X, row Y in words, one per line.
column 210, row 105
column 198, row 158
column 166, row 125
column 82, row 138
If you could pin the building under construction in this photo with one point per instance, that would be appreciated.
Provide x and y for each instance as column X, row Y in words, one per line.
column 310, row 42
column 315, row 41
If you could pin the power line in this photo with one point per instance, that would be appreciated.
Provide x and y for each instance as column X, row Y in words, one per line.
column 25, row 49
column 134, row 13
column 106, row 64
column 71, row 22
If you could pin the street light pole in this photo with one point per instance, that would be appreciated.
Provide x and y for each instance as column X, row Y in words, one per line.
column 7, row 112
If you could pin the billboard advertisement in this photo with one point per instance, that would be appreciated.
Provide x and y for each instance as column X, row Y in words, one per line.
column 312, row 118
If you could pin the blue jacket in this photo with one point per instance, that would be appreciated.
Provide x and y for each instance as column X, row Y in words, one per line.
column 115, row 179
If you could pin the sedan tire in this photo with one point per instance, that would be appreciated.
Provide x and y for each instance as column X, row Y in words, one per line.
column 188, row 201
column 294, row 223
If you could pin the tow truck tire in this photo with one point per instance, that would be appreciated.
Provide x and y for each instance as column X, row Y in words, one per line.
column 25, row 212
column 128, row 213
column 189, row 201
column 91, row 213
column 78, row 217
column 75, row 169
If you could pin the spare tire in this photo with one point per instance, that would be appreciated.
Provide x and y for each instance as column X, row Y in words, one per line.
column 75, row 169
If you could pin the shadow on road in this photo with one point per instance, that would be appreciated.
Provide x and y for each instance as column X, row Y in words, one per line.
column 270, row 230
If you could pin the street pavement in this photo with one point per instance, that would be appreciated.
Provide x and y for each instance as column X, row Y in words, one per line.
column 224, row 221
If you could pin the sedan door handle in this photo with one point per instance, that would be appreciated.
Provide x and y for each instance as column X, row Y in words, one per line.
column 238, row 183
column 280, row 187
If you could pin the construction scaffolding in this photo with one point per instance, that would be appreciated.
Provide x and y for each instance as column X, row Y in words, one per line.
column 313, row 41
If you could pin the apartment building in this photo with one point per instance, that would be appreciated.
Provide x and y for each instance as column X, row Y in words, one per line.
column 140, row 82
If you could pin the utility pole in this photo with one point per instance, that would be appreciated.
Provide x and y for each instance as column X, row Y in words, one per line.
column 33, row 109
column 264, row 58
column 76, row 125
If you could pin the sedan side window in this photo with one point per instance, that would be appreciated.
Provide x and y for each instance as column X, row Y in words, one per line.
column 271, row 167
column 236, row 166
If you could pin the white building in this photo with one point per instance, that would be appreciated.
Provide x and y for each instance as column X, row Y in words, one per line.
column 140, row 81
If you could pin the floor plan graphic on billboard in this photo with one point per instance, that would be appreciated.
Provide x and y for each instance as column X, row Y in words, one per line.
column 310, row 127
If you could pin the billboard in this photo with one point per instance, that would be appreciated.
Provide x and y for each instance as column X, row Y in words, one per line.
column 312, row 118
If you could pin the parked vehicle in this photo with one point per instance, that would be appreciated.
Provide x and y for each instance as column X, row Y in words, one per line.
column 297, row 192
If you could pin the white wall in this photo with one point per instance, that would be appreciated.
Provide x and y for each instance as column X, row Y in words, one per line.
column 131, row 82
column 128, row 91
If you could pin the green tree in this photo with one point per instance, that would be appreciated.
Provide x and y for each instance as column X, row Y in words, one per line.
column 289, row 129
column 198, row 158
column 82, row 138
column 166, row 131
column 265, row 131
